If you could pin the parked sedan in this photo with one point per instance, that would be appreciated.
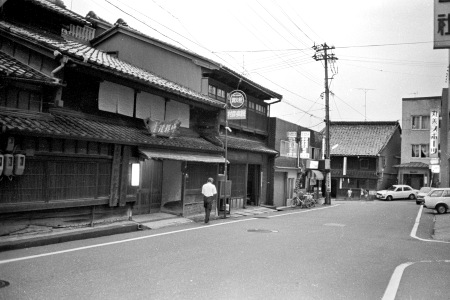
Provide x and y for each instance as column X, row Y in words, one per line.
column 398, row 191
column 438, row 199
column 422, row 193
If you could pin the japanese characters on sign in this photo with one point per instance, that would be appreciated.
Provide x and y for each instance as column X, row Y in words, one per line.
column 163, row 128
column 305, row 135
column 292, row 136
column 237, row 110
column 434, row 133
column 441, row 24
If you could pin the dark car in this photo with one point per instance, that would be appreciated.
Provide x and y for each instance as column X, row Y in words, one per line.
column 420, row 199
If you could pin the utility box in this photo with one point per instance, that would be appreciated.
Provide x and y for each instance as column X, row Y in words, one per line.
column 19, row 164
column 8, row 165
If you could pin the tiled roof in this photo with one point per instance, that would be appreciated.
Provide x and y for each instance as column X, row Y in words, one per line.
column 412, row 165
column 14, row 69
column 247, row 145
column 62, row 11
column 62, row 125
column 85, row 54
column 360, row 138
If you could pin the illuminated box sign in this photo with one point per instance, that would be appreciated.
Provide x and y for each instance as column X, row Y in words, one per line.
column 434, row 133
column 435, row 168
column 441, row 24
column 292, row 135
column 312, row 164
column 237, row 114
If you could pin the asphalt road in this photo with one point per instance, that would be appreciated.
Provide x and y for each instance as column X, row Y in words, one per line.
column 352, row 250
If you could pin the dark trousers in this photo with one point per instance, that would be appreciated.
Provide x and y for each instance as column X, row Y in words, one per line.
column 207, row 203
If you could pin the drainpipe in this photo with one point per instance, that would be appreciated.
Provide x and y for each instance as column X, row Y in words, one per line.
column 62, row 59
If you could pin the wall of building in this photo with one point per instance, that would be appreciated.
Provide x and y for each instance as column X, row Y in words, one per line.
column 155, row 59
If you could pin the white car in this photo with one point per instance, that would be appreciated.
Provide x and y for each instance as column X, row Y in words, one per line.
column 438, row 199
column 398, row 191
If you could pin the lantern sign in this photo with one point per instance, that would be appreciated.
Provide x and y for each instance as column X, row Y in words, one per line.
column 237, row 110
column 434, row 133
column 441, row 24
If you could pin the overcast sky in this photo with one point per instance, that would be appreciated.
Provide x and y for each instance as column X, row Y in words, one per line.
column 384, row 48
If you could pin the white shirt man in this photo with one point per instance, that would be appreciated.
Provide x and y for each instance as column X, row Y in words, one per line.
column 209, row 192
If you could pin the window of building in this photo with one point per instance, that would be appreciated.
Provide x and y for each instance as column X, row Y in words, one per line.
column 420, row 122
column 212, row 91
column 27, row 99
column 216, row 93
column 364, row 163
column 420, row 151
column 316, row 153
column 220, row 93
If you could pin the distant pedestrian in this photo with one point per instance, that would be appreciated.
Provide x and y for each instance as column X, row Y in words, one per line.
column 349, row 193
column 363, row 191
column 209, row 192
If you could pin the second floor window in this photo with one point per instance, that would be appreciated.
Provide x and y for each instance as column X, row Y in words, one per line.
column 420, row 122
column 420, row 151
column 364, row 163
column 21, row 98
column 215, row 92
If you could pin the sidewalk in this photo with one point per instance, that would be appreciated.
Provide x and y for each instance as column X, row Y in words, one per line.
column 34, row 236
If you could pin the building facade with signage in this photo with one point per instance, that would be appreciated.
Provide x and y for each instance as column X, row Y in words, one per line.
column 298, row 147
column 420, row 141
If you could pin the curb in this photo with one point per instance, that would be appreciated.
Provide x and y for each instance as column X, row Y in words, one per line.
column 68, row 236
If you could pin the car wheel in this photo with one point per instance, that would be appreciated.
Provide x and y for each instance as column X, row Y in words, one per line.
column 441, row 209
column 389, row 198
column 412, row 197
column 418, row 202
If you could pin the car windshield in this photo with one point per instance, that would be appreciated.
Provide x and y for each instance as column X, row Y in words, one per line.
column 392, row 188
column 437, row 193
column 425, row 189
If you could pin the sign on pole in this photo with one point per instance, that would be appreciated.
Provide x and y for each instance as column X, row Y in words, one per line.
column 305, row 135
column 441, row 24
column 237, row 110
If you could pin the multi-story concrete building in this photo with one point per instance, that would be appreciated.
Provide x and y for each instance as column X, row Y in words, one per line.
column 414, row 168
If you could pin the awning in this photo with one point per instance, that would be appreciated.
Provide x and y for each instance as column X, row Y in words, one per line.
column 163, row 154
column 317, row 174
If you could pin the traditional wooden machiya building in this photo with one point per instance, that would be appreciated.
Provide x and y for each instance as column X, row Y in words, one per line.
column 249, row 156
column 102, row 139
column 75, row 115
column 363, row 156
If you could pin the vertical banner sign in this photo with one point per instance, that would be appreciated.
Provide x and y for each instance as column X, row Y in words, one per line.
column 292, row 151
column 441, row 24
column 305, row 135
column 237, row 110
column 434, row 133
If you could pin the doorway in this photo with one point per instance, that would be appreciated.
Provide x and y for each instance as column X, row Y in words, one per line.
column 253, row 184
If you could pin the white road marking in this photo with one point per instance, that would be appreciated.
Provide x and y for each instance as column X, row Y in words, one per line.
column 394, row 282
column 149, row 236
column 416, row 226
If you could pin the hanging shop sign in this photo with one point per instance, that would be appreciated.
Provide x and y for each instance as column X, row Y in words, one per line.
column 163, row 128
column 305, row 136
column 434, row 133
column 237, row 110
column 441, row 24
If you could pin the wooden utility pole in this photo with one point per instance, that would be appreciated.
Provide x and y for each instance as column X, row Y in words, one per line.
column 325, row 57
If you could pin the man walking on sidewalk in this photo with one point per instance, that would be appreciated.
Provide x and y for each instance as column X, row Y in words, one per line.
column 209, row 192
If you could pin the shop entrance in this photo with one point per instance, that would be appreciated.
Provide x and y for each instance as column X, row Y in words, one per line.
column 253, row 184
column 413, row 180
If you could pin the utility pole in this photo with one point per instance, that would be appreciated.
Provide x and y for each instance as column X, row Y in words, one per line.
column 365, row 100
column 322, row 54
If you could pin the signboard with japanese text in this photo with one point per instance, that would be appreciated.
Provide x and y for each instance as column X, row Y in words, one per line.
column 163, row 128
column 292, row 149
column 441, row 24
column 237, row 109
column 304, row 140
column 434, row 133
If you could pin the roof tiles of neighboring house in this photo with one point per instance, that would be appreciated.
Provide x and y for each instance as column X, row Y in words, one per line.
column 360, row 138
column 61, row 11
column 59, row 124
column 11, row 68
column 81, row 53
column 247, row 145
